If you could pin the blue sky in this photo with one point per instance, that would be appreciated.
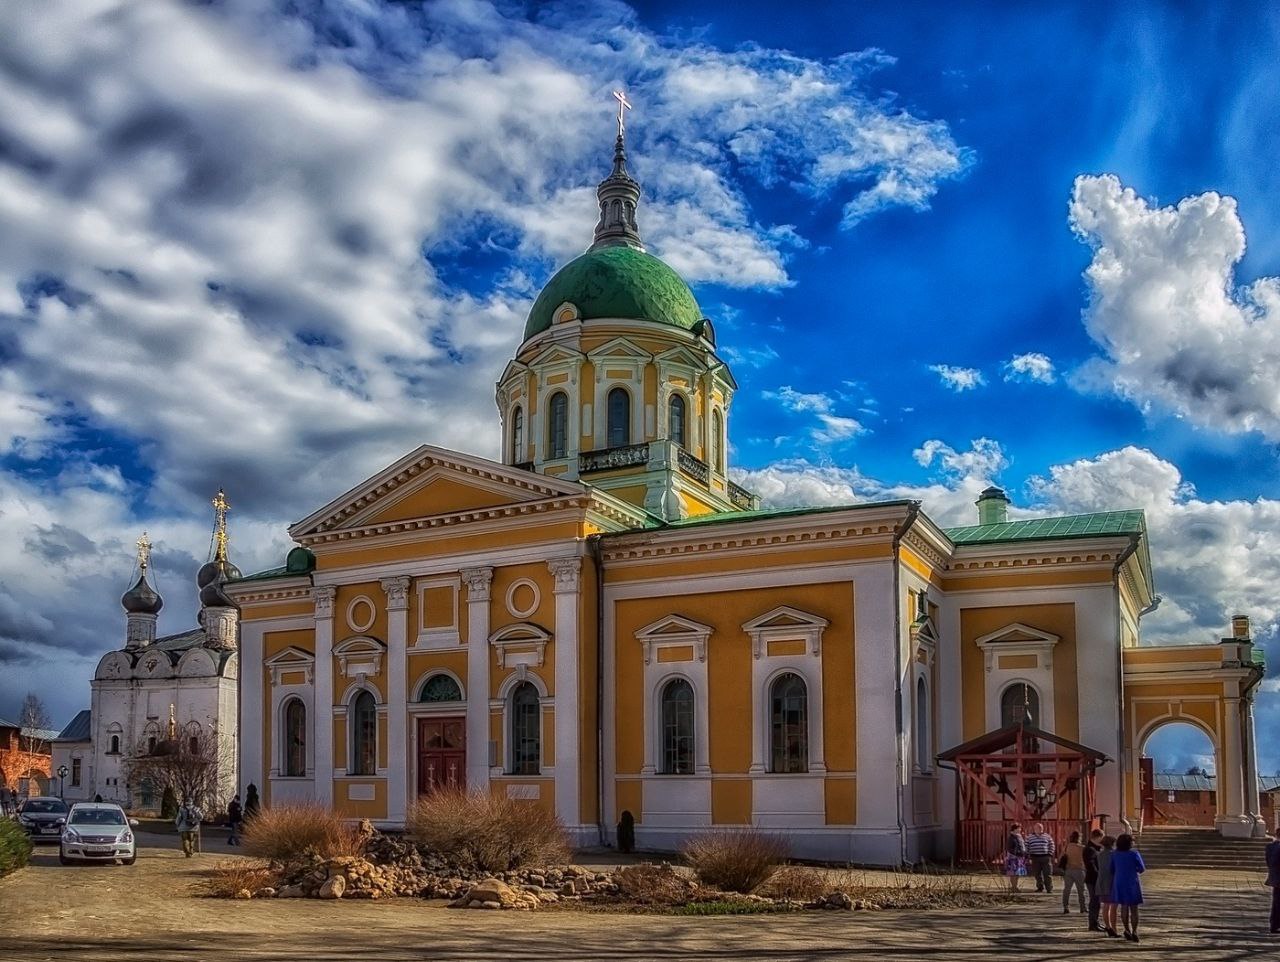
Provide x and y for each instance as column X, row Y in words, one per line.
column 272, row 246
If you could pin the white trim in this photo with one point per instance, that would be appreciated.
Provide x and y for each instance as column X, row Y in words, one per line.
column 1016, row 639
column 765, row 671
column 415, row 691
column 657, row 677
column 361, row 627
column 479, row 582
column 437, row 636
column 511, row 592
column 360, row 655
column 520, row 645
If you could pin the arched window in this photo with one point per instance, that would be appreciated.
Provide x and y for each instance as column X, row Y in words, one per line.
column 526, row 731
column 115, row 745
column 440, row 688
column 558, row 426
column 717, row 441
column 619, row 431
column 295, row 739
column 675, row 419
column 1020, row 703
column 364, row 735
column 517, row 435
column 923, row 762
column 677, row 728
column 789, row 724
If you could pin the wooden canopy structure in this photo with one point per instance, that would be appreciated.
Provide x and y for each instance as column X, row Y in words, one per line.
column 1020, row 774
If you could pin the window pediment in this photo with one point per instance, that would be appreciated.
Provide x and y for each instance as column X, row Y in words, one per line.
column 1018, row 639
column 619, row 349
column 785, row 623
column 674, row 631
column 360, row 657
column 520, row 645
column 291, row 660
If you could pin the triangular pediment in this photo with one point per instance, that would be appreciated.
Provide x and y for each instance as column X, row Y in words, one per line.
column 682, row 356
column 785, row 616
column 673, row 626
column 554, row 354
column 619, row 347
column 290, row 657
column 432, row 482
column 1017, row 634
column 923, row 629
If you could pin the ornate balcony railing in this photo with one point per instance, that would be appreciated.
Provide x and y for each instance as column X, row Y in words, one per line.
column 606, row 459
column 694, row 467
column 741, row 497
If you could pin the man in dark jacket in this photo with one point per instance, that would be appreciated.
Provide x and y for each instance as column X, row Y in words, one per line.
column 1273, row 879
column 1091, row 878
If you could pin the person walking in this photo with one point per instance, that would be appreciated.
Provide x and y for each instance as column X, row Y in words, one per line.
column 1091, row 877
column 234, row 818
column 1106, row 886
column 188, row 824
column 1040, row 848
column 1273, row 880
column 1015, row 857
column 1073, row 873
column 1126, row 866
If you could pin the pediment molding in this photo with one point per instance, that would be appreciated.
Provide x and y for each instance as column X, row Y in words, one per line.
column 360, row 656
column 291, row 659
column 619, row 349
column 785, row 623
column 521, row 645
column 1017, row 638
column 674, row 631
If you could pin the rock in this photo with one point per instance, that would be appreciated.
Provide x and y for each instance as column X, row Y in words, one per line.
column 333, row 887
column 568, row 888
column 290, row 892
column 244, row 894
column 265, row 893
column 486, row 904
column 838, row 900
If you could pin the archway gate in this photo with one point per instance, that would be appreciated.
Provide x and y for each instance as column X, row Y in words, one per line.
column 1020, row 774
column 1212, row 688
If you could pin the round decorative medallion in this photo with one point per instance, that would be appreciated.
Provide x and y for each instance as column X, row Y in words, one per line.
column 360, row 613
column 523, row 598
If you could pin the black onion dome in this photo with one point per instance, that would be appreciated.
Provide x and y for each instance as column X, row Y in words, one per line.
column 142, row 599
column 211, row 578
column 207, row 574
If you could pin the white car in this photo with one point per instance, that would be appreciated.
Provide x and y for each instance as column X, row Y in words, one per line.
column 98, row 831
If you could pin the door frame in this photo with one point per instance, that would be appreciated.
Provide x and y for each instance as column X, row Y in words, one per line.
column 456, row 711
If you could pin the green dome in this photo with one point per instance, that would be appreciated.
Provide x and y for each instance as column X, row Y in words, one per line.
column 617, row 281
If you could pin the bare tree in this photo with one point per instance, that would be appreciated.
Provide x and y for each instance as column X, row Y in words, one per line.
column 33, row 735
column 196, row 764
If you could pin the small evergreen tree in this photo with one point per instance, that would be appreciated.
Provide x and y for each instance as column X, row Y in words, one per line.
column 168, row 803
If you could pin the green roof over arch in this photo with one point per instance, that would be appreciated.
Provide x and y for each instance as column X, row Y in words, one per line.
column 617, row 281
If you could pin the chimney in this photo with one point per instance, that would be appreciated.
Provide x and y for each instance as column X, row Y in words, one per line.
column 1240, row 628
column 993, row 506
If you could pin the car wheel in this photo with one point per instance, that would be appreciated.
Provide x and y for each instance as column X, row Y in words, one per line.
column 63, row 860
column 130, row 860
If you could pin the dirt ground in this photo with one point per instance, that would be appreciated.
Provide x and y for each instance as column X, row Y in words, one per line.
column 149, row 911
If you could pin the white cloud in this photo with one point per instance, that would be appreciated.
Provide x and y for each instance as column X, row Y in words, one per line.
column 958, row 378
column 1176, row 332
column 753, row 357
column 833, row 428
column 1033, row 366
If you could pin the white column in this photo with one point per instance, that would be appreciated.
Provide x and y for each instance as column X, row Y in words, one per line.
column 323, row 714
column 479, row 582
column 398, row 766
column 568, row 579
column 1252, row 800
column 253, row 767
column 876, row 669
column 1230, row 778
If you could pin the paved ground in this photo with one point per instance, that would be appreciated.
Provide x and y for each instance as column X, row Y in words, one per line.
column 148, row 912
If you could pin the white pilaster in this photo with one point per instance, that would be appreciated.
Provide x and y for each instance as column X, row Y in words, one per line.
column 568, row 579
column 397, row 590
column 479, row 583
column 252, row 767
column 1231, row 821
column 323, row 734
column 877, row 677
column 1252, row 799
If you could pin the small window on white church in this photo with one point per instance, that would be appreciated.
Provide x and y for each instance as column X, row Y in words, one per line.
column 295, row 728
column 517, row 435
column 75, row 772
column 115, row 745
column 1020, row 703
column 440, row 688
column 717, row 441
column 789, row 724
column 364, row 741
column 677, row 728
column 922, row 726
column 619, row 408
column 558, row 426
column 526, row 731
column 675, row 419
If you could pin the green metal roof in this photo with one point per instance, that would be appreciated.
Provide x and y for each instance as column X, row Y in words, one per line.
column 762, row 514
column 1051, row 529
column 617, row 281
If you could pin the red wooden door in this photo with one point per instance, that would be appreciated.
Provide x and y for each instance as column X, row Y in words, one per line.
column 442, row 753
column 1147, row 789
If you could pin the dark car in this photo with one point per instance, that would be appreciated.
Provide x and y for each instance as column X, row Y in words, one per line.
column 43, row 818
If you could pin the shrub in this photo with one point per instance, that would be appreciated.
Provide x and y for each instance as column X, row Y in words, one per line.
column 15, row 847
column 289, row 832
column 739, row 860
column 168, row 803
column 236, row 875
column 649, row 884
column 800, row 884
column 490, row 833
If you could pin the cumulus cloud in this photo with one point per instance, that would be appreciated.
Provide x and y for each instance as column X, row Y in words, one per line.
column 831, row 427
column 1033, row 366
column 1176, row 331
column 958, row 378
column 239, row 237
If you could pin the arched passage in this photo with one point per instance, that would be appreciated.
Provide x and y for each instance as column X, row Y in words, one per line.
column 1177, row 774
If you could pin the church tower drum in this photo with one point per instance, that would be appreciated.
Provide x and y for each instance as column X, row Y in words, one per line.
column 617, row 382
column 141, row 603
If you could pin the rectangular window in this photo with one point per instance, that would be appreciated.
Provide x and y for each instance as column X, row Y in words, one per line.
column 75, row 771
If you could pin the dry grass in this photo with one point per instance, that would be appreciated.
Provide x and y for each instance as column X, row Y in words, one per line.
column 484, row 832
column 289, row 832
column 236, row 875
column 655, row 885
column 801, row 884
column 740, row 860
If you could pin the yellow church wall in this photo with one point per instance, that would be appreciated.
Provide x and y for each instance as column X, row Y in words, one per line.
column 544, row 615
column 546, row 673
column 693, row 506
column 650, row 376
column 529, row 531
column 913, row 562
column 1172, row 654
column 274, row 642
column 422, row 663
column 632, row 493
column 841, row 795
column 696, row 563
column 546, row 800
column 339, row 729
column 261, row 612
column 730, row 801
column 1032, row 577
column 356, row 808
column 1057, row 619
column 439, row 496
column 628, row 797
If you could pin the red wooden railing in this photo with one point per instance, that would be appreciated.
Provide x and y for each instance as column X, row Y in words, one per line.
column 983, row 841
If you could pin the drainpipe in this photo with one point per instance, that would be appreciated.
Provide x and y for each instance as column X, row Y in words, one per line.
column 913, row 511
column 593, row 549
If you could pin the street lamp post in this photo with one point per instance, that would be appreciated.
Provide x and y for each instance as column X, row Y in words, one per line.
column 62, row 780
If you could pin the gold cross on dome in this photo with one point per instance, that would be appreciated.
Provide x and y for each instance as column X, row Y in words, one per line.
column 220, row 508
column 144, row 551
column 623, row 105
